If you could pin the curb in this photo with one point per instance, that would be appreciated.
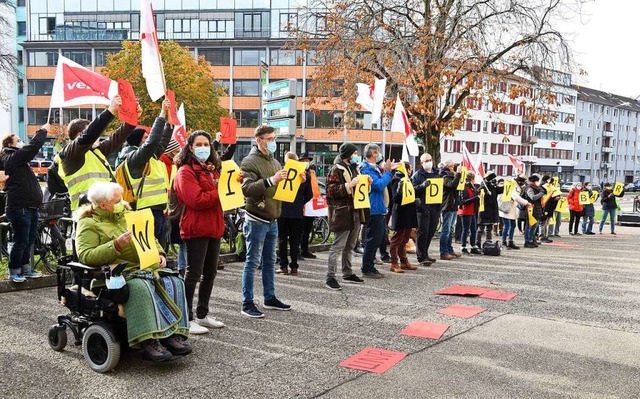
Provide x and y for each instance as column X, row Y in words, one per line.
column 50, row 279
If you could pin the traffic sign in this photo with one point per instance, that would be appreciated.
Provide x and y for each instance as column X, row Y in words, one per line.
column 281, row 89
column 283, row 127
column 281, row 109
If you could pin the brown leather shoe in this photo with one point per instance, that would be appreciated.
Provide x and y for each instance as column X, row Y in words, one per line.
column 407, row 266
column 456, row 254
column 447, row 257
column 395, row 268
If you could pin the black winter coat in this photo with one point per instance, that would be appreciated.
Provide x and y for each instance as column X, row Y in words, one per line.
column 608, row 200
column 293, row 210
column 450, row 197
column 23, row 189
column 418, row 179
column 402, row 216
column 491, row 212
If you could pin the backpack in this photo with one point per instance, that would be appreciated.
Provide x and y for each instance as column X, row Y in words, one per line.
column 174, row 207
column 122, row 178
column 491, row 248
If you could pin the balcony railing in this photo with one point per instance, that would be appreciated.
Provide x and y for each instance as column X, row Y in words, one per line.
column 607, row 149
column 607, row 133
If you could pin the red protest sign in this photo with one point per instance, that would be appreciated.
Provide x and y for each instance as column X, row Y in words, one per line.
column 128, row 111
column 373, row 360
column 423, row 329
column 228, row 129
column 173, row 111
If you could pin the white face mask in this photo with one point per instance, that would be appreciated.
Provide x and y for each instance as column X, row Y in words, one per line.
column 20, row 144
column 428, row 165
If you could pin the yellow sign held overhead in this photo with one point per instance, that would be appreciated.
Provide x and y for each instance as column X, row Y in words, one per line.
column 141, row 226
column 618, row 189
column 463, row 178
column 361, row 193
column 288, row 187
column 583, row 198
column 433, row 193
column 509, row 188
column 229, row 188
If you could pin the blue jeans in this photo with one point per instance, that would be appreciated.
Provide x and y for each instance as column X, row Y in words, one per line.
column 446, row 235
column 182, row 256
column 376, row 230
column 529, row 231
column 587, row 224
column 508, row 228
column 469, row 224
column 612, row 219
column 158, row 222
column 24, row 223
column 261, row 241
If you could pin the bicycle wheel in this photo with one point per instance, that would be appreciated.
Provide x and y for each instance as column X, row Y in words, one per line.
column 47, row 248
column 321, row 230
column 230, row 233
column 6, row 239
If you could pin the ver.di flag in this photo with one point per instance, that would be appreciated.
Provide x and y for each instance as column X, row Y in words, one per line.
column 180, row 129
column 371, row 97
column 77, row 85
column 400, row 123
column 152, row 70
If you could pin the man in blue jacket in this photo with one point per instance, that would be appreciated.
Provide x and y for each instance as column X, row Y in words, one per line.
column 376, row 229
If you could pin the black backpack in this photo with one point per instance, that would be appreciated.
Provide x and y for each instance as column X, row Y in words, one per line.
column 491, row 248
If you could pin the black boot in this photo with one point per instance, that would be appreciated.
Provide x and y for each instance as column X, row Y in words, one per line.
column 512, row 245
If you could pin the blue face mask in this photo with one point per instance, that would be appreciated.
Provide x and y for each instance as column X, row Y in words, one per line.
column 379, row 158
column 271, row 147
column 202, row 153
column 355, row 159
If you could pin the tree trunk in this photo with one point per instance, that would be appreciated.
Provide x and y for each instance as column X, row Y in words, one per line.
column 433, row 145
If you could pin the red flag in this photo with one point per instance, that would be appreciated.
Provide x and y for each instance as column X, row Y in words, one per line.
column 518, row 165
column 76, row 85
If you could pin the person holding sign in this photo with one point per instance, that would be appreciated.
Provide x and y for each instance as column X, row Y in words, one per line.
column 469, row 202
column 575, row 209
column 428, row 214
column 489, row 215
column 508, row 204
column 156, row 311
column 609, row 208
column 201, row 224
column 403, row 220
column 344, row 219
column 378, row 197
column 533, row 193
column 84, row 160
column 588, row 211
column 262, row 173
column 290, row 225
column 450, row 202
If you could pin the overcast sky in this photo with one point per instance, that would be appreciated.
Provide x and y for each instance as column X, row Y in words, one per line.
column 606, row 45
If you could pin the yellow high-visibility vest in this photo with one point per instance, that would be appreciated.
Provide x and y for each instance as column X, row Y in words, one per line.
column 155, row 187
column 95, row 168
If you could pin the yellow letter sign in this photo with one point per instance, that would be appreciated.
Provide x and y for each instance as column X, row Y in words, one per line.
column 618, row 188
column 288, row 188
column 229, row 188
column 361, row 193
column 141, row 226
column 583, row 198
column 408, row 193
column 507, row 193
column 433, row 193
column 463, row 178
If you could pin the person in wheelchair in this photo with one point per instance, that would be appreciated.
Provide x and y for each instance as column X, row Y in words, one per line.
column 156, row 311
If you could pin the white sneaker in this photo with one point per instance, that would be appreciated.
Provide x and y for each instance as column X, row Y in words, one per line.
column 210, row 322
column 195, row 328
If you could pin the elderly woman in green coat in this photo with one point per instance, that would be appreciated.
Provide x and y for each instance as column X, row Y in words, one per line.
column 156, row 310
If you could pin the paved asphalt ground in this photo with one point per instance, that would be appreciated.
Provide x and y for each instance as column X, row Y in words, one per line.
column 573, row 331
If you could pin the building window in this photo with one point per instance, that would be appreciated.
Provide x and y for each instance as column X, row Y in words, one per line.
column 247, row 118
column 38, row 116
column 311, row 119
column 20, row 86
column 43, row 58
column 222, row 84
column 46, row 25
column 597, row 140
column 101, row 56
column 252, row 22
column 21, row 3
column 246, row 88
column 588, row 140
column 20, row 114
column 577, row 156
column 82, row 57
column 214, row 26
column 288, row 21
column 216, row 56
column 22, row 28
column 286, row 57
column 579, row 139
column 19, row 57
column 180, row 25
column 595, row 157
column 248, row 57
column 587, row 156
column 580, row 123
column 69, row 114
column 40, row 87
column 589, row 124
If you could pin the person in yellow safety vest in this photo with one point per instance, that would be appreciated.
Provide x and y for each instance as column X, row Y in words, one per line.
column 145, row 173
column 84, row 160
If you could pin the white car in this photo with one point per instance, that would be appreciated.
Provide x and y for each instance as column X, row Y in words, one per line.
column 565, row 188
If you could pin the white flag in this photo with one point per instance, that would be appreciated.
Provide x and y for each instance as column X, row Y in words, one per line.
column 401, row 124
column 151, row 59
column 371, row 97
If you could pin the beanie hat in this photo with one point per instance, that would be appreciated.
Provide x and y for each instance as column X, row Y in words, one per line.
column 136, row 136
column 173, row 145
column 346, row 150
column 534, row 178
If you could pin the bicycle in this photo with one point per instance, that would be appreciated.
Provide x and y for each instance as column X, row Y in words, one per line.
column 50, row 244
column 320, row 230
column 233, row 221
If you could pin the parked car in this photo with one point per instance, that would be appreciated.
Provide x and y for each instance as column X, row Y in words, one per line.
column 635, row 186
column 40, row 168
column 566, row 187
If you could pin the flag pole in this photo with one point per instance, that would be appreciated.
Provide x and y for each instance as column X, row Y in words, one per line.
column 384, row 137
column 49, row 115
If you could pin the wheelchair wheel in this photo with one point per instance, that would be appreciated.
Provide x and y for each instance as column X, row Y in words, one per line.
column 100, row 348
column 57, row 337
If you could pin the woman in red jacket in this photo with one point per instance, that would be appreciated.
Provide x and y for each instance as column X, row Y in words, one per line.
column 201, row 223
column 575, row 209
column 468, row 212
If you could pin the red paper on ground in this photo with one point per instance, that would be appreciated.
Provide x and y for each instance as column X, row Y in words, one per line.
column 423, row 329
column 499, row 295
column 128, row 111
column 373, row 360
column 228, row 129
column 173, row 111
column 462, row 290
column 458, row 310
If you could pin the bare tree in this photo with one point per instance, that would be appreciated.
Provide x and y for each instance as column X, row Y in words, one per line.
column 8, row 61
column 439, row 55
